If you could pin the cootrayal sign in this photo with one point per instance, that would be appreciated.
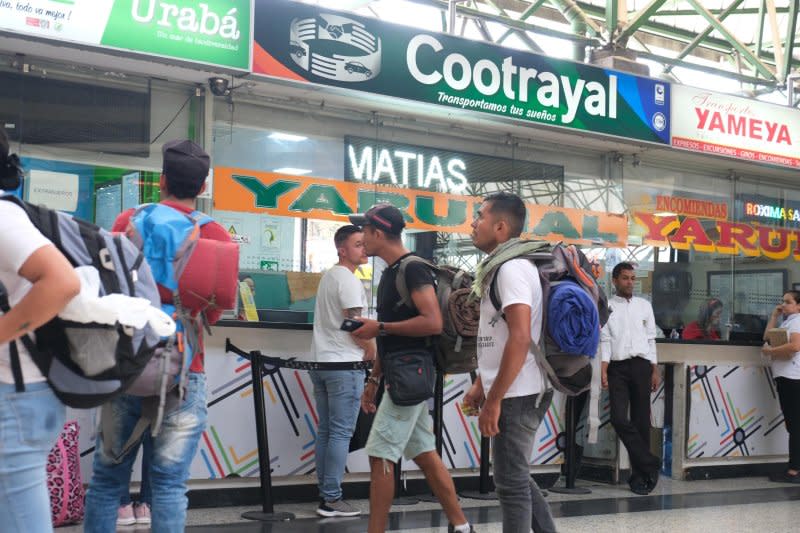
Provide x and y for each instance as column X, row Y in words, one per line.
column 306, row 43
column 215, row 32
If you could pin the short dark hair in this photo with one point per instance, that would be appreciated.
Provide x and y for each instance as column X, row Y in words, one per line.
column 795, row 295
column 620, row 267
column 343, row 233
column 182, row 190
column 512, row 207
column 10, row 168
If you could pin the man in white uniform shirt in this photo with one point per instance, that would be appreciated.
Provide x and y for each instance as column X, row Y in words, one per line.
column 338, row 392
column 630, row 372
column 510, row 391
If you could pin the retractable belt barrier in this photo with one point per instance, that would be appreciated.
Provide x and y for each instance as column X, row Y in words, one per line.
column 273, row 363
column 262, row 365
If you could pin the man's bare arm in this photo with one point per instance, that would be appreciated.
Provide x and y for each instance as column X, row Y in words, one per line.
column 369, row 346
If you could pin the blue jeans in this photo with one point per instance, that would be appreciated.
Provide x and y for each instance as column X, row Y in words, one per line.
column 338, row 396
column 172, row 453
column 30, row 423
column 521, row 502
column 145, row 494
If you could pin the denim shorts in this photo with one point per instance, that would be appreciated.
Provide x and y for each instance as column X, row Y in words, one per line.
column 400, row 430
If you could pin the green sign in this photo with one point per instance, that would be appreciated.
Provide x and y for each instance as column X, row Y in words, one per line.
column 269, row 266
column 216, row 32
column 305, row 43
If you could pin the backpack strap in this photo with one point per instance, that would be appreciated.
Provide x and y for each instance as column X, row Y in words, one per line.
column 402, row 284
column 201, row 218
column 153, row 409
column 495, row 298
column 13, row 349
column 545, row 370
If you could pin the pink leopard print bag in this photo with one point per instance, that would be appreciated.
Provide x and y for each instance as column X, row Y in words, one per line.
column 64, row 477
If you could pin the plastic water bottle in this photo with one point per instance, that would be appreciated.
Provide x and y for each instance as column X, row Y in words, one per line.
column 674, row 334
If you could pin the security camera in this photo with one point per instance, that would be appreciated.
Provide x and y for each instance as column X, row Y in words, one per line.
column 219, row 86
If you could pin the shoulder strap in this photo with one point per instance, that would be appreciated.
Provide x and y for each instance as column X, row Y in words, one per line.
column 43, row 219
column 16, row 365
column 201, row 218
column 402, row 284
column 494, row 297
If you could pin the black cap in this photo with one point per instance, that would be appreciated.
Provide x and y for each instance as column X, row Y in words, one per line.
column 384, row 217
column 185, row 164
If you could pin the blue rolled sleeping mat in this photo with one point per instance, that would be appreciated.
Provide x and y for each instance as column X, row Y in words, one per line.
column 572, row 320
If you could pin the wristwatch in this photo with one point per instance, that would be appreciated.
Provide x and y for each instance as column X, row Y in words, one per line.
column 381, row 329
column 375, row 381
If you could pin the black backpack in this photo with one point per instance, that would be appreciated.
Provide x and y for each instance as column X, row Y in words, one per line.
column 87, row 365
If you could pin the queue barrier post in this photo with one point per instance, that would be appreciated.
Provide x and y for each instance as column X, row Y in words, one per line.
column 267, row 513
column 570, row 452
column 438, row 424
column 484, row 491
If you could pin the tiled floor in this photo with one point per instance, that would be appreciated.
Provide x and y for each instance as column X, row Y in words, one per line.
column 730, row 506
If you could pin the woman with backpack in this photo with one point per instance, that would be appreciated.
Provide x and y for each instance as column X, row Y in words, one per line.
column 38, row 282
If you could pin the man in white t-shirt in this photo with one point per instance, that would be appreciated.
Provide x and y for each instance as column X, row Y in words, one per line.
column 341, row 295
column 510, row 391
column 38, row 282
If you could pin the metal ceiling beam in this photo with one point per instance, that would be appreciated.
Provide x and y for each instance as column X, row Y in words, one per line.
column 513, row 23
column 777, row 45
column 648, row 29
column 664, row 30
column 789, row 45
column 736, row 43
column 523, row 17
column 708, row 70
column 760, row 34
column 575, row 15
column 530, row 43
column 691, row 12
column 705, row 33
column 679, row 34
column 639, row 19
column 612, row 17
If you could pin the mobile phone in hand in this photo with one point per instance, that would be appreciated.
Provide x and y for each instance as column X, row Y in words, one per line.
column 350, row 325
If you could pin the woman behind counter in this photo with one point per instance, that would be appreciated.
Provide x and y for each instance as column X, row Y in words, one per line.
column 786, row 371
column 707, row 324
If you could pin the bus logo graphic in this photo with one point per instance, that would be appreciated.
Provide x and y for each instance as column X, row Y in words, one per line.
column 335, row 47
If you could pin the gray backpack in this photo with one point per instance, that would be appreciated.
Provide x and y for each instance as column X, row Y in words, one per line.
column 87, row 365
column 568, row 370
column 457, row 346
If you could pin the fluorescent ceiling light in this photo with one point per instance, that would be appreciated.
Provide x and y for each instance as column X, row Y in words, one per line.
column 287, row 137
column 292, row 170
column 665, row 214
